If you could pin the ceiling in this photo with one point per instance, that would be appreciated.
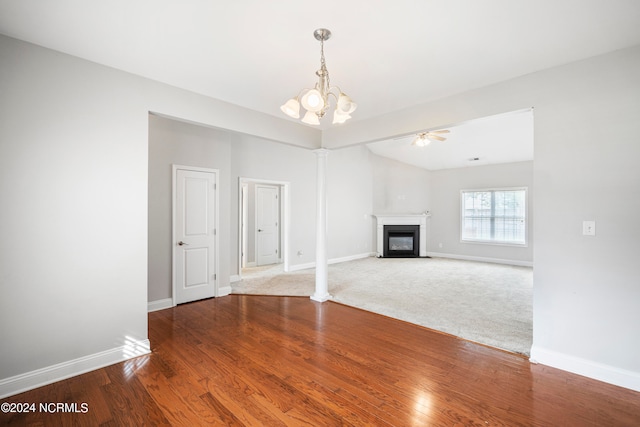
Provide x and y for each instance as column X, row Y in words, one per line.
column 387, row 55
column 504, row 138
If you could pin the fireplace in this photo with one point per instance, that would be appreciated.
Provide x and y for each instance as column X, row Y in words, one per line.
column 401, row 241
column 408, row 235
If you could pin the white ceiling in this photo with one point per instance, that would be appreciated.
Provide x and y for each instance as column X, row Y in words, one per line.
column 503, row 138
column 387, row 55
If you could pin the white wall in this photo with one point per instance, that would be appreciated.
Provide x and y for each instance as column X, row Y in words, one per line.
column 445, row 187
column 586, row 131
column 399, row 188
column 73, row 217
column 349, row 202
column 73, row 253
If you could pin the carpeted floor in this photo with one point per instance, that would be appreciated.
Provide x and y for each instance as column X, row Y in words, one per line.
column 482, row 302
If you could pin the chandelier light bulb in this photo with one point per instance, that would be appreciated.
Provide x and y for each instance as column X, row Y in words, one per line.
column 312, row 101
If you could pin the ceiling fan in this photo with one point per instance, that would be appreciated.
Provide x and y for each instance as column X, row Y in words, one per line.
column 424, row 138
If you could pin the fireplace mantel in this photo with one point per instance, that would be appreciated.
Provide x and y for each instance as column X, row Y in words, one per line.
column 401, row 219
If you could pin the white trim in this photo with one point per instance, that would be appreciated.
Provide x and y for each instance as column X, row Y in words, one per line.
column 349, row 258
column 216, row 222
column 482, row 259
column 235, row 278
column 160, row 304
column 285, row 212
column 297, row 267
column 308, row 265
column 587, row 368
column 244, row 214
column 51, row 374
column 224, row 291
column 497, row 242
column 280, row 198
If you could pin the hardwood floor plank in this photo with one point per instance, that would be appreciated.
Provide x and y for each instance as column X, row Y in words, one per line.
column 285, row 361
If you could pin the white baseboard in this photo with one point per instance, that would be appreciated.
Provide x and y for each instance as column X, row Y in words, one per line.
column 331, row 261
column 481, row 259
column 51, row 374
column 349, row 258
column 160, row 304
column 224, row 291
column 586, row 368
column 305, row 266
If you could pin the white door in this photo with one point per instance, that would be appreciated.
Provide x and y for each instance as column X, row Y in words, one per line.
column 194, row 258
column 267, row 224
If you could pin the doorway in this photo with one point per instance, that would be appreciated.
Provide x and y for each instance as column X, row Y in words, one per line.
column 263, row 224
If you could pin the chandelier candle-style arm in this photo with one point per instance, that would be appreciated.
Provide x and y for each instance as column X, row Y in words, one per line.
column 316, row 100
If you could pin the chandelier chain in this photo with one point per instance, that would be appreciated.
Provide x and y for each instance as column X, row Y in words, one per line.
column 323, row 65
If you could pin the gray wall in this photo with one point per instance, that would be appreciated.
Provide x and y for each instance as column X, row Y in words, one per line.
column 234, row 155
column 586, row 148
column 73, row 219
column 399, row 188
column 258, row 159
column 445, row 187
column 172, row 142
column 243, row 156
column 349, row 201
column 74, row 185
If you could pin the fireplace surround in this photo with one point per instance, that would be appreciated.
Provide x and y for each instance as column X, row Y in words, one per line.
column 403, row 228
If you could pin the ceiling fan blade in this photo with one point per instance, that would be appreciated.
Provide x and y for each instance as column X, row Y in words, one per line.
column 439, row 138
column 440, row 131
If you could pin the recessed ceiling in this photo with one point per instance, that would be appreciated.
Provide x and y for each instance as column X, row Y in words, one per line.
column 504, row 138
column 387, row 55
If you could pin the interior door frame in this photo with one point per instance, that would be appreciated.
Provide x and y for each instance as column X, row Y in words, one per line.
column 285, row 211
column 257, row 218
column 216, row 226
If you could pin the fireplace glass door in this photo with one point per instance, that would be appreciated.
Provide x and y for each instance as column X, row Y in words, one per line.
column 401, row 241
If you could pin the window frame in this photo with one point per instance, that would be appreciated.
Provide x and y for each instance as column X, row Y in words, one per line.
column 495, row 242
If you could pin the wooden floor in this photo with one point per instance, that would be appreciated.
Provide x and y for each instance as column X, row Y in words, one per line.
column 269, row 361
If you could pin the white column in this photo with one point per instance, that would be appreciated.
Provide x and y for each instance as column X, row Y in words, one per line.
column 322, row 266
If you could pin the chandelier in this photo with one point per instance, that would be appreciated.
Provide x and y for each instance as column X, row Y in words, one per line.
column 316, row 100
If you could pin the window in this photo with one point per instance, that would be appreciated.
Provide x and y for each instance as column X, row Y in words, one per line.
column 494, row 216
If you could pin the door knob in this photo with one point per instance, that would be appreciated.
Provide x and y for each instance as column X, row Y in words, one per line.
column 259, row 229
column 181, row 243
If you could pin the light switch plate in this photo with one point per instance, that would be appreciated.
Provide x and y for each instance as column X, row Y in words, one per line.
column 589, row 228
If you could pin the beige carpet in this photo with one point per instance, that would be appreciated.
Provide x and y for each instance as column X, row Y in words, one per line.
column 482, row 302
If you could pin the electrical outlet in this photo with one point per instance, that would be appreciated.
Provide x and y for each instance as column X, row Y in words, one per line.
column 588, row 228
